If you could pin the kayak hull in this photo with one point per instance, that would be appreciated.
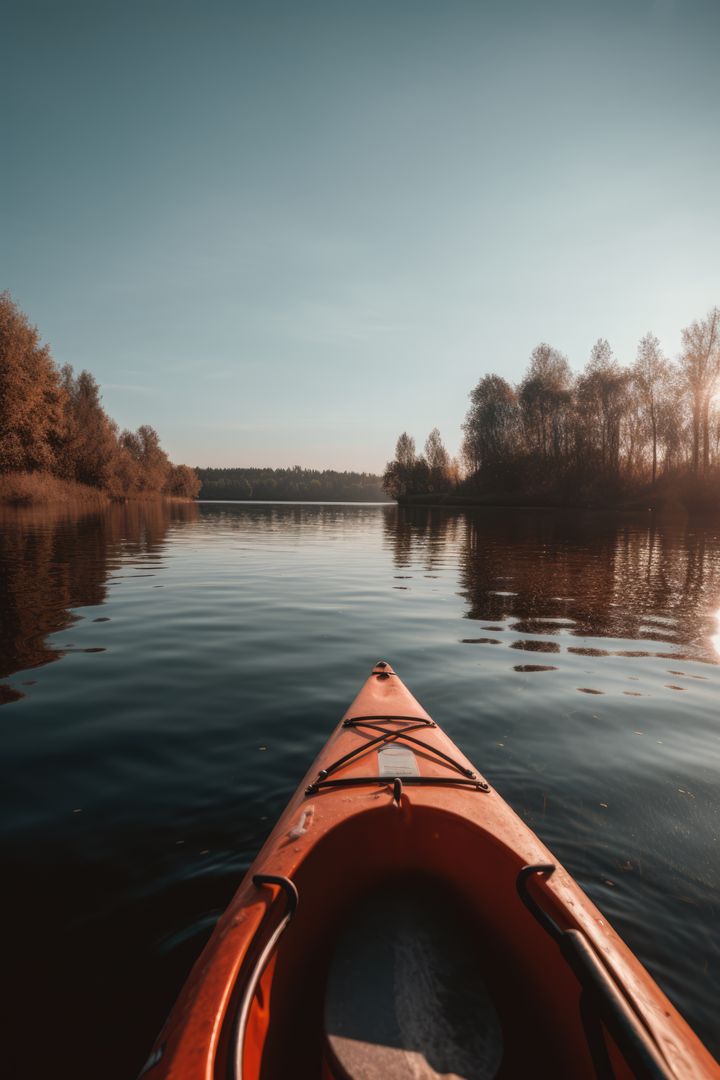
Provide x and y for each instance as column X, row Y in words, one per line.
column 350, row 828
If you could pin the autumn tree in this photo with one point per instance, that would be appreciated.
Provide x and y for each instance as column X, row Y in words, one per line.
column 545, row 399
column 405, row 451
column 438, row 462
column 652, row 376
column 152, row 462
column 700, row 359
column 600, row 400
column 715, row 432
column 396, row 473
column 491, row 424
column 406, row 474
column 53, row 421
column 31, row 397
column 183, row 482
column 90, row 451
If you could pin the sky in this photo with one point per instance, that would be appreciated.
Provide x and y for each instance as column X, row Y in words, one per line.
column 282, row 233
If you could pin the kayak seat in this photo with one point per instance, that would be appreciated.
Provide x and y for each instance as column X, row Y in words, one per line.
column 404, row 996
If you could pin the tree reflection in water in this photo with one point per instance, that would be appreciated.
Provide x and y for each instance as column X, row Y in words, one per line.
column 585, row 574
column 56, row 558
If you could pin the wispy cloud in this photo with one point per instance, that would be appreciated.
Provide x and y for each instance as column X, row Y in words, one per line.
column 297, row 423
column 131, row 388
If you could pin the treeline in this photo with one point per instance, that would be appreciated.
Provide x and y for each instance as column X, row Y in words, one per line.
column 52, row 424
column 292, row 484
column 605, row 432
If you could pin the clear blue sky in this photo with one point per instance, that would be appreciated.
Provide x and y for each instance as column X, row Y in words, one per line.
column 281, row 233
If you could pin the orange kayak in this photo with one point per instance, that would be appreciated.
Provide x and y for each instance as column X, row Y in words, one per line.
column 402, row 922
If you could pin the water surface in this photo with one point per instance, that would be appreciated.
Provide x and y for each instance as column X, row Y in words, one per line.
column 168, row 672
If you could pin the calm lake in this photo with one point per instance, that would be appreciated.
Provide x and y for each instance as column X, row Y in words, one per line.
column 202, row 654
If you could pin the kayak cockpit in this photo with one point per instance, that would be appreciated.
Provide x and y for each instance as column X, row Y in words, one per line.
column 417, row 960
column 405, row 994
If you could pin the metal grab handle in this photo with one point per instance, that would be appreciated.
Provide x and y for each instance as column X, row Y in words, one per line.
column 291, row 895
column 599, row 984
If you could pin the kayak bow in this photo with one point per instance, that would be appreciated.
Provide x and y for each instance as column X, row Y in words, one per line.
column 402, row 921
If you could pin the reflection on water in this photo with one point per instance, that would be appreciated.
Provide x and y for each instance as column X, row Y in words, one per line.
column 715, row 639
column 206, row 652
column 53, row 560
column 586, row 575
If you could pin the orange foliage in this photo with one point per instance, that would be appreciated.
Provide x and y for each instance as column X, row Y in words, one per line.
column 56, row 440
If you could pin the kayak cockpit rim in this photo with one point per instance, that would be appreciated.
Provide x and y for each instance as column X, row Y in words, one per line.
column 599, row 988
column 602, row 1003
column 261, row 961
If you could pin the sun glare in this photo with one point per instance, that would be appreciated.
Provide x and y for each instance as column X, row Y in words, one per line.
column 715, row 638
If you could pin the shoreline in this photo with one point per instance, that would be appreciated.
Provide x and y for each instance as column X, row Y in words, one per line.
column 18, row 490
column 668, row 504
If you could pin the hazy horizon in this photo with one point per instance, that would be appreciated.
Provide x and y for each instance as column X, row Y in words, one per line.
column 283, row 236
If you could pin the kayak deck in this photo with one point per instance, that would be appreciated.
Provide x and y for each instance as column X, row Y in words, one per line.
column 391, row 804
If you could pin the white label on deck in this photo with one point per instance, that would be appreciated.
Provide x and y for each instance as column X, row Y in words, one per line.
column 397, row 761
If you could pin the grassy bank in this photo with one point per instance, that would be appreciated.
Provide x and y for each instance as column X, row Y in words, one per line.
column 44, row 489
column 39, row 488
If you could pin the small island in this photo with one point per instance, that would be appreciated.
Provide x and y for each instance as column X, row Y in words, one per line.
column 644, row 436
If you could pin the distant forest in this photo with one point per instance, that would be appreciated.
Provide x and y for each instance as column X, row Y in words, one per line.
column 608, row 434
column 291, row 484
column 56, row 440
